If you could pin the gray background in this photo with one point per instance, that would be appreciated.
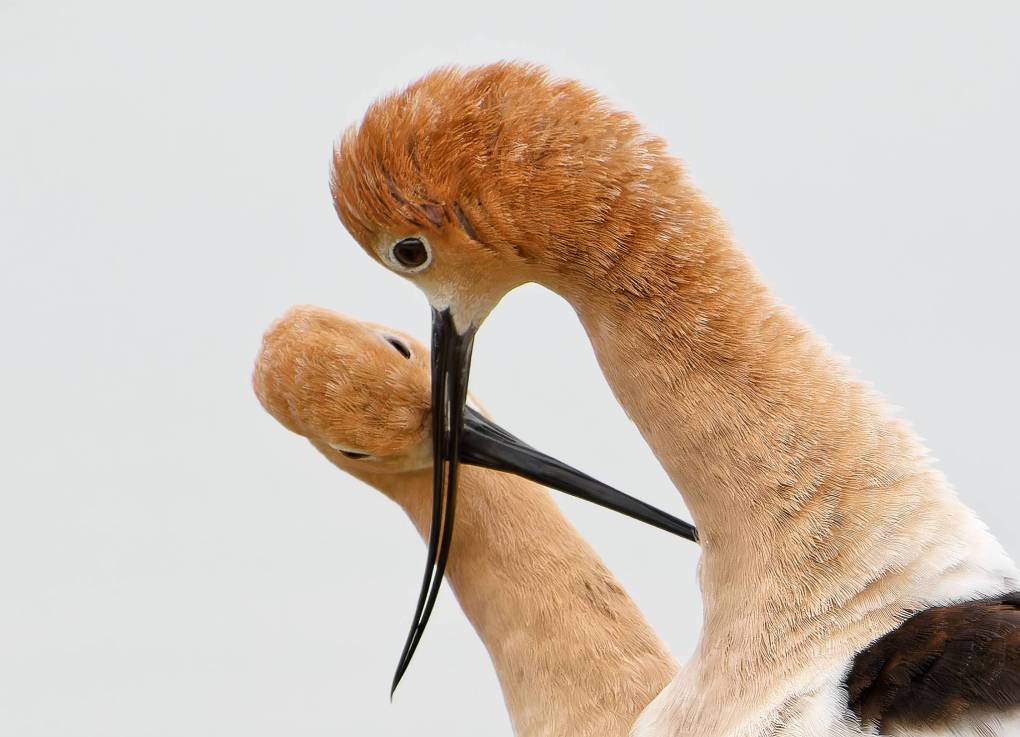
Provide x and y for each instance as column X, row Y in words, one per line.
column 173, row 562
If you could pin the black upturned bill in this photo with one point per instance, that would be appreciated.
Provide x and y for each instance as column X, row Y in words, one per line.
column 459, row 433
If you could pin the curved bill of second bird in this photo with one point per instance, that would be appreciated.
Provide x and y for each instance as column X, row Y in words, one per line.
column 459, row 433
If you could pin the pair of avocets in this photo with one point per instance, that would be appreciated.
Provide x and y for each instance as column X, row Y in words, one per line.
column 847, row 590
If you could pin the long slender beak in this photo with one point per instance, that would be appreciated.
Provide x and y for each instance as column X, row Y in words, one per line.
column 459, row 433
column 484, row 443
column 451, row 365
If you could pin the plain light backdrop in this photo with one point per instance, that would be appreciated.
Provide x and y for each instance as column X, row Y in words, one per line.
column 173, row 562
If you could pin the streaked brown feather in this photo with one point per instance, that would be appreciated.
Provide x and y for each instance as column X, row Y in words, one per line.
column 942, row 664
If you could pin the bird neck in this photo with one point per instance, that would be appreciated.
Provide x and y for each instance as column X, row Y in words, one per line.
column 573, row 654
column 820, row 515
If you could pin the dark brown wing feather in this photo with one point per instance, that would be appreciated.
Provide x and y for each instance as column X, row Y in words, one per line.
column 939, row 665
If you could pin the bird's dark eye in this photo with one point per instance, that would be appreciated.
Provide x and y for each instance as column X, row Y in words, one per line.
column 399, row 345
column 411, row 253
column 353, row 454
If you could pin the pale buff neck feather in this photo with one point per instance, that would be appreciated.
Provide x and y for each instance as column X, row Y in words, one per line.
column 821, row 516
column 574, row 656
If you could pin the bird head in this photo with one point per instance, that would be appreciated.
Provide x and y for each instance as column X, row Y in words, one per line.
column 358, row 390
column 472, row 182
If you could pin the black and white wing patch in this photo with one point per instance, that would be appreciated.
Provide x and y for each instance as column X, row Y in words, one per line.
column 941, row 666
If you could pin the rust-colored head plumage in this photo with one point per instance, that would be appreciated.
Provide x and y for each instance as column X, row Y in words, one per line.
column 508, row 174
column 348, row 385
